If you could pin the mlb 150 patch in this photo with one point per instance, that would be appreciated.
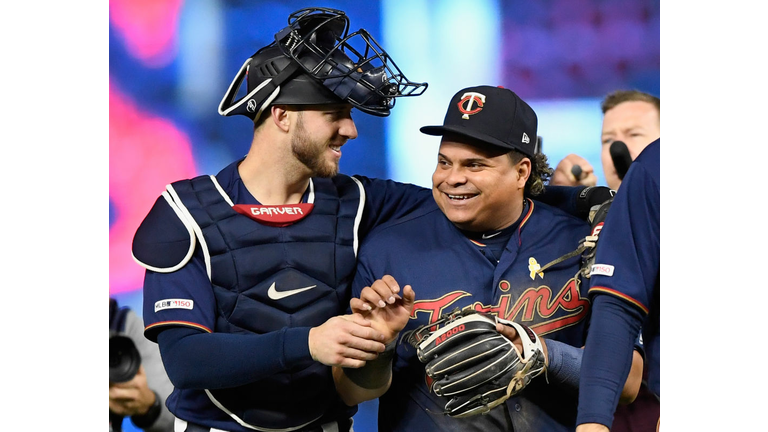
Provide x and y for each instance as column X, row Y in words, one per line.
column 174, row 304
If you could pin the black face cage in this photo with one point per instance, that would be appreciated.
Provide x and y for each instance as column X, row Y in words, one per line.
column 354, row 66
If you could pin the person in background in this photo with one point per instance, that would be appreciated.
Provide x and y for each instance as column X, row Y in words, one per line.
column 631, row 117
column 142, row 397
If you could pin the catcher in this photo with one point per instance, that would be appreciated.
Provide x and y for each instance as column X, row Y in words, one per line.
column 493, row 341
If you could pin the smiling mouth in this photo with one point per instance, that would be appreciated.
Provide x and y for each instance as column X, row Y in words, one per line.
column 336, row 149
column 459, row 197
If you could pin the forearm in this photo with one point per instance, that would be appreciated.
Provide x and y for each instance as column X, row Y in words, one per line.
column 366, row 383
column 634, row 380
column 219, row 360
column 608, row 358
column 565, row 363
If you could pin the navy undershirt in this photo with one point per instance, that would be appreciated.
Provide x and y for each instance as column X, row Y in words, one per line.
column 617, row 323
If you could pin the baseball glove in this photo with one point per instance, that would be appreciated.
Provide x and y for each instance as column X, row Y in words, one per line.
column 472, row 364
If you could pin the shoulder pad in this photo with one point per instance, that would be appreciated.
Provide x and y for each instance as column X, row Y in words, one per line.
column 163, row 242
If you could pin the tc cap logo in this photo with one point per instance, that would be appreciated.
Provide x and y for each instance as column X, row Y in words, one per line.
column 526, row 139
column 467, row 104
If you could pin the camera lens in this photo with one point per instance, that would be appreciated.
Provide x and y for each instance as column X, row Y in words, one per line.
column 124, row 359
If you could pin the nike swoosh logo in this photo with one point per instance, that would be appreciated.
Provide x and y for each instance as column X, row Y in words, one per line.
column 277, row 295
column 492, row 235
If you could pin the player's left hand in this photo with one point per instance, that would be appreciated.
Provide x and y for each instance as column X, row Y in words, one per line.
column 132, row 397
column 474, row 366
column 382, row 304
column 511, row 334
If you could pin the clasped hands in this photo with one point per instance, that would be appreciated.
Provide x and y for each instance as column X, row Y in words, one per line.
column 382, row 310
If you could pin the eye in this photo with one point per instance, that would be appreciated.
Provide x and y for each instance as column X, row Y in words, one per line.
column 333, row 115
column 338, row 114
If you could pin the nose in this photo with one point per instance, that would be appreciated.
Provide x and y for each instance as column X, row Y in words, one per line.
column 348, row 128
column 455, row 176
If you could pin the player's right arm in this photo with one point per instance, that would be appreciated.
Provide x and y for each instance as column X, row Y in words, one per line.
column 387, row 307
column 245, row 358
column 386, row 200
column 186, row 340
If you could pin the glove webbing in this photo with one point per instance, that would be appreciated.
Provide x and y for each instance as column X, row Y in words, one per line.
column 589, row 242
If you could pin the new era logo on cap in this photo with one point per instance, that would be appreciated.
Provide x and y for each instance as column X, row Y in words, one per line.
column 493, row 115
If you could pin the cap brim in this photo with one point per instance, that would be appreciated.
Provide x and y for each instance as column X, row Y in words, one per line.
column 472, row 134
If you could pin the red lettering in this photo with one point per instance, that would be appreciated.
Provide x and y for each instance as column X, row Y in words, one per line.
column 435, row 308
column 449, row 333
column 539, row 300
column 534, row 305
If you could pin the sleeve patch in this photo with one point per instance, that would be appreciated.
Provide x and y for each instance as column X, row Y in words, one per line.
column 602, row 270
column 174, row 304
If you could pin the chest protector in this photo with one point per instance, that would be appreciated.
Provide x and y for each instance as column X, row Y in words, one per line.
column 267, row 278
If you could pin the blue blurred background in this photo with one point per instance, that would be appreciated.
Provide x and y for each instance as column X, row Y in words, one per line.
column 170, row 62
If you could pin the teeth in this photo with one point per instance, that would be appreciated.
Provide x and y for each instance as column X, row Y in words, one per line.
column 335, row 148
column 458, row 197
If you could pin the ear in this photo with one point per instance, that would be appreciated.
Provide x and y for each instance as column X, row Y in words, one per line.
column 523, row 171
column 279, row 116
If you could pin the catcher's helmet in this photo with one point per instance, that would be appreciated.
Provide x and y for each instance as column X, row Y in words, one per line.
column 315, row 61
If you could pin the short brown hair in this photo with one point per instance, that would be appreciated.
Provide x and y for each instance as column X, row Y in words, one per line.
column 621, row 96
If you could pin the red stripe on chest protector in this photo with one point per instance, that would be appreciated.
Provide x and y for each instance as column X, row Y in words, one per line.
column 275, row 215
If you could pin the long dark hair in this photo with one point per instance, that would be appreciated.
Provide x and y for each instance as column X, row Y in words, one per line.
column 540, row 172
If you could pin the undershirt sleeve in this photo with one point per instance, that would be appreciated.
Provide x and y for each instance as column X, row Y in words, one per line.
column 605, row 366
column 197, row 360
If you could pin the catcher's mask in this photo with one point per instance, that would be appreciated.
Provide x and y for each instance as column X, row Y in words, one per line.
column 315, row 61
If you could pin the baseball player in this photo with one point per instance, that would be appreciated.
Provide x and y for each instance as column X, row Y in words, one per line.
column 625, row 289
column 482, row 244
column 248, row 271
column 631, row 121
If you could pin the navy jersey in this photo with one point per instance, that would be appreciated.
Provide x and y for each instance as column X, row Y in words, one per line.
column 223, row 272
column 447, row 270
column 627, row 267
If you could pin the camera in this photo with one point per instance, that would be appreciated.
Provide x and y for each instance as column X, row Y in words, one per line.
column 124, row 358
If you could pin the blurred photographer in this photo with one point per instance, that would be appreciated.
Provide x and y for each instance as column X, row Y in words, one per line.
column 138, row 384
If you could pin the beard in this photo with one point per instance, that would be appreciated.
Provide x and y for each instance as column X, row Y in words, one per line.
column 311, row 153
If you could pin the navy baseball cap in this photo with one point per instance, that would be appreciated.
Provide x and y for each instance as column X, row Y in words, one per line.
column 492, row 115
